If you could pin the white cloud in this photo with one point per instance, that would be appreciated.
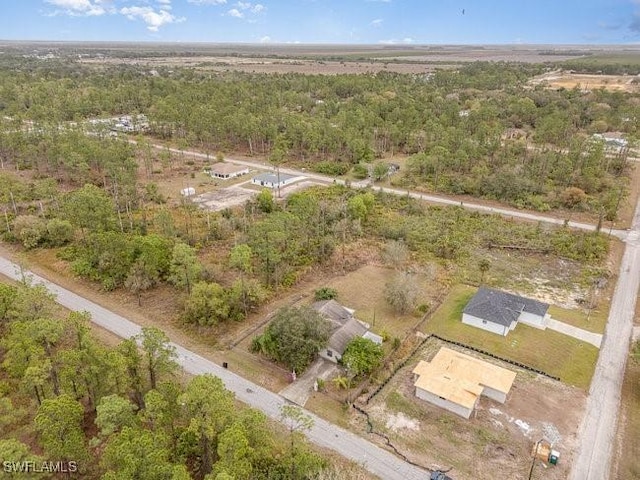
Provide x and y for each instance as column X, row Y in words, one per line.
column 376, row 23
column 242, row 9
column 148, row 15
column 208, row 2
column 80, row 7
column 395, row 41
column 257, row 8
column 265, row 39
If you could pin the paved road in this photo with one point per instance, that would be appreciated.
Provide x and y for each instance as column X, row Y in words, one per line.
column 376, row 460
column 443, row 200
column 597, row 434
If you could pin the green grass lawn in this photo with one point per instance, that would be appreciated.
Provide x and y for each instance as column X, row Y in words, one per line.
column 549, row 351
column 595, row 322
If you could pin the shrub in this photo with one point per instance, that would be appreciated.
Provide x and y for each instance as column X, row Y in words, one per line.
column 331, row 167
column 59, row 232
column 360, row 171
column 325, row 293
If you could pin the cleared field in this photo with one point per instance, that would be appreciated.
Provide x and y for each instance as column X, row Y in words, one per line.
column 496, row 441
column 363, row 290
column 549, row 351
column 623, row 83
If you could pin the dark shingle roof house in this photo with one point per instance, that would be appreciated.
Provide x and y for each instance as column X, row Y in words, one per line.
column 333, row 311
column 490, row 306
column 344, row 328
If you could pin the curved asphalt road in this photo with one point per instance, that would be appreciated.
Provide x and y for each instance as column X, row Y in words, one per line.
column 376, row 460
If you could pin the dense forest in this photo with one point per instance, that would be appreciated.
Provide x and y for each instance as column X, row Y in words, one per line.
column 125, row 412
column 480, row 130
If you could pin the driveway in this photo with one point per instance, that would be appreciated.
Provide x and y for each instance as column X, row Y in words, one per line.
column 594, row 339
column 376, row 460
column 300, row 390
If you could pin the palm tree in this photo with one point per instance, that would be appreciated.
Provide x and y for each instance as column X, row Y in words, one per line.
column 483, row 265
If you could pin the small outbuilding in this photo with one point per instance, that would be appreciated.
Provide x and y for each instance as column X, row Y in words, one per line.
column 499, row 312
column 455, row 381
column 273, row 180
column 226, row 171
column 187, row 192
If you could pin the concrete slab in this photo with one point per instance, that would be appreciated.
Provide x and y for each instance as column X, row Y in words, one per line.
column 594, row 339
column 300, row 390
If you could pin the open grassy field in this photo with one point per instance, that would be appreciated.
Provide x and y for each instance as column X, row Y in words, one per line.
column 628, row 441
column 363, row 290
column 594, row 322
column 549, row 351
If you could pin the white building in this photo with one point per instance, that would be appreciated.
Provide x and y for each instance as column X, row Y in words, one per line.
column 455, row 381
column 225, row 171
column 499, row 312
column 187, row 192
column 274, row 180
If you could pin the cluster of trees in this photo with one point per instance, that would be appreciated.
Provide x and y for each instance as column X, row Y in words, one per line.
column 610, row 64
column 584, row 176
column 451, row 233
column 453, row 121
column 120, row 413
column 294, row 337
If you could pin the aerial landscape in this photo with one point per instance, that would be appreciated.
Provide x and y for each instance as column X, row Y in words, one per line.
column 314, row 239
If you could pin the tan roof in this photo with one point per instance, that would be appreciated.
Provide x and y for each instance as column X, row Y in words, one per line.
column 461, row 378
column 226, row 168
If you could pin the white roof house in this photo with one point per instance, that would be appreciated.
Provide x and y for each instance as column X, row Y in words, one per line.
column 274, row 180
column 227, row 170
column 612, row 141
column 187, row 192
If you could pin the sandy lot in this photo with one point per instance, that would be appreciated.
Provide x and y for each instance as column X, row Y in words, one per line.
column 624, row 83
column 223, row 198
column 495, row 442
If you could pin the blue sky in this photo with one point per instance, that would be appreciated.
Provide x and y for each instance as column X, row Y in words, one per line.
column 325, row 21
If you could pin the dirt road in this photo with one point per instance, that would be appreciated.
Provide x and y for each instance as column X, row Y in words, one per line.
column 376, row 460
